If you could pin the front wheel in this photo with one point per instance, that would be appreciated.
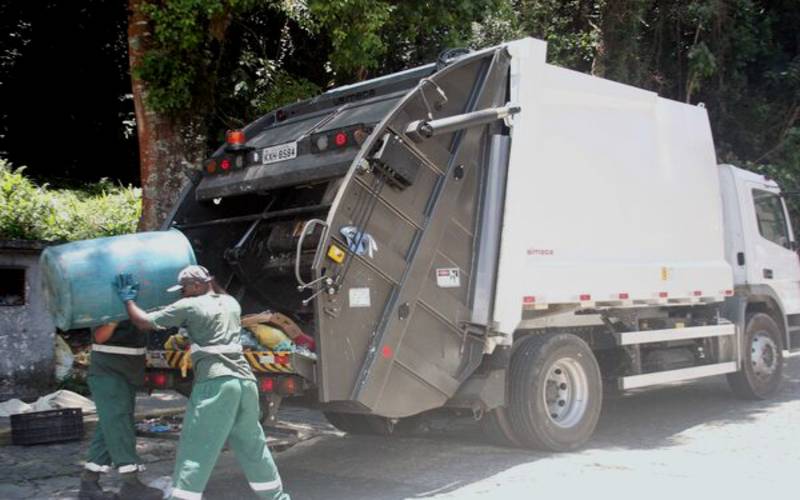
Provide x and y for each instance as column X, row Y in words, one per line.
column 556, row 392
column 762, row 360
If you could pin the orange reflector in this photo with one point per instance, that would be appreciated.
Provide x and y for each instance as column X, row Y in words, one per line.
column 235, row 137
column 211, row 166
column 336, row 254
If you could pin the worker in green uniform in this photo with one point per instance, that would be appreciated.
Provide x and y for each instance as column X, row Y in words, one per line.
column 224, row 400
column 116, row 370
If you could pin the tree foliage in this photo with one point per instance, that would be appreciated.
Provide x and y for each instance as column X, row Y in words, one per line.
column 31, row 212
column 222, row 63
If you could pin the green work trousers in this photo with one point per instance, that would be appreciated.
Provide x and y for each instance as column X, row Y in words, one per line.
column 114, row 440
column 220, row 409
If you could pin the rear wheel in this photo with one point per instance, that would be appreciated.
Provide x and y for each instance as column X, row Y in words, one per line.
column 496, row 426
column 762, row 360
column 555, row 392
column 354, row 423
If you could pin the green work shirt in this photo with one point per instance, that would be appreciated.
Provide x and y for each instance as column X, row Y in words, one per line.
column 129, row 367
column 210, row 320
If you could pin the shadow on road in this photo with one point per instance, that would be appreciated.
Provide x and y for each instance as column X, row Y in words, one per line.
column 444, row 460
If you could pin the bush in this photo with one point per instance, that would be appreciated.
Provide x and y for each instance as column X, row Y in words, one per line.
column 31, row 212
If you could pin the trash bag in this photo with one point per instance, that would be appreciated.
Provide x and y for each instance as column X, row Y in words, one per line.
column 268, row 336
column 63, row 358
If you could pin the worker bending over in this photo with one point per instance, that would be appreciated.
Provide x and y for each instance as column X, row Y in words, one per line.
column 224, row 400
column 116, row 370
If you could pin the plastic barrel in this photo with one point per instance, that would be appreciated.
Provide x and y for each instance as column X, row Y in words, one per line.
column 78, row 277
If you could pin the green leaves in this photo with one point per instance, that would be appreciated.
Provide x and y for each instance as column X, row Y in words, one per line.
column 31, row 212
column 354, row 27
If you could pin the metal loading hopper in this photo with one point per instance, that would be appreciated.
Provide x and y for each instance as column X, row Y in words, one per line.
column 400, row 322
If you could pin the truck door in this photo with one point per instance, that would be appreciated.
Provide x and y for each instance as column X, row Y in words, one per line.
column 772, row 259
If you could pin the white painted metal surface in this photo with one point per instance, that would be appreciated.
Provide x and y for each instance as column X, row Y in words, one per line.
column 613, row 195
column 696, row 332
column 764, row 257
column 694, row 372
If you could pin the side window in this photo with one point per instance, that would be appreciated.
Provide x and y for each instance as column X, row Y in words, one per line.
column 771, row 218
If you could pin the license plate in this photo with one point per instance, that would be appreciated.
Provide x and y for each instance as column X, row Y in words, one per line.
column 266, row 359
column 281, row 152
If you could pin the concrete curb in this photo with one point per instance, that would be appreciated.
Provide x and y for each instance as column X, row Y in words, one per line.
column 90, row 422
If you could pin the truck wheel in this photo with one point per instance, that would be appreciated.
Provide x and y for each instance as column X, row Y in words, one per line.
column 556, row 392
column 351, row 423
column 354, row 423
column 496, row 426
column 762, row 360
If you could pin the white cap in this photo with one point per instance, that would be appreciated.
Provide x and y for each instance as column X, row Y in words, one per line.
column 191, row 273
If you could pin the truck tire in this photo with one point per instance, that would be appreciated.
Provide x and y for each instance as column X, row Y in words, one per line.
column 556, row 392
column 762, row 360
column 351, row 423
column 354, row 423
column 496, row 426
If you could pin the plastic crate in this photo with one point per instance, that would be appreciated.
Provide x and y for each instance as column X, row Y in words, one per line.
column 49, row 426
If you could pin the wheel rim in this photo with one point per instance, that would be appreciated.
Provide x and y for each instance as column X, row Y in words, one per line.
column 763, row 355
column 566, row 392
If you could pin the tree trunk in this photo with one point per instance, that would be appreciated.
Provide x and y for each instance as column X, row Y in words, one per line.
column 162, row 152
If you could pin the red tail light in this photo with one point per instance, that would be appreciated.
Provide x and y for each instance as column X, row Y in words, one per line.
column 266, row 384
column 225, row 164
column 340, row 139
column 288, row 385
column 159, row 380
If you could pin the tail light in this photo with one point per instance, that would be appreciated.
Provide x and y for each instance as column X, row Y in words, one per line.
column 289, row 385
column 225, row 164
column 354, row 135
column 266, row 384
column 158, row 380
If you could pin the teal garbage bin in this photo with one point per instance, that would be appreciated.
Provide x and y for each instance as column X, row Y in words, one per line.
column 78, row 277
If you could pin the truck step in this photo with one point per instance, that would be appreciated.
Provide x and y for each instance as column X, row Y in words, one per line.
column 648, row 379
column 694, row 332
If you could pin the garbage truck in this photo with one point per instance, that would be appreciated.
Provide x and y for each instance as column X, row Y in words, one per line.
column 495, row 235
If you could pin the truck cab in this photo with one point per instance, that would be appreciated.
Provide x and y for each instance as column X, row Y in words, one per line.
column 762, row 250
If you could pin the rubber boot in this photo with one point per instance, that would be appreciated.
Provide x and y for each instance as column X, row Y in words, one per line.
column 90, row 488
column 134, row 489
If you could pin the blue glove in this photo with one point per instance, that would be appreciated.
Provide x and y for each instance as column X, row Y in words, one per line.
column 127, row 287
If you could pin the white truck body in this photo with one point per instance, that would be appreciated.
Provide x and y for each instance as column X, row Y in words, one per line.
column 613, row 196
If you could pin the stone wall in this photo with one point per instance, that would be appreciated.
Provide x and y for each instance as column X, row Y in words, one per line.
column 26, row 330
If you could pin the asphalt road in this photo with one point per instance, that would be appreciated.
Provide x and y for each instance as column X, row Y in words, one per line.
column 692, row 440
column 689, row 441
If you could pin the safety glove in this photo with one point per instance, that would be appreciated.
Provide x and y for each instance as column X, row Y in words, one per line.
column 127, row 287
